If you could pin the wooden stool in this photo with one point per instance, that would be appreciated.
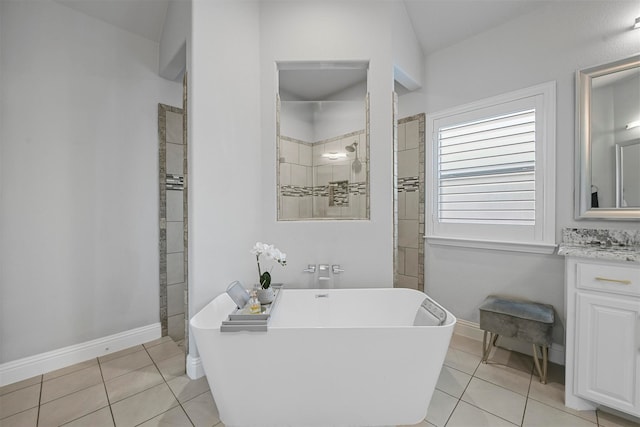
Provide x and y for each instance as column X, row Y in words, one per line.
column 523, row 320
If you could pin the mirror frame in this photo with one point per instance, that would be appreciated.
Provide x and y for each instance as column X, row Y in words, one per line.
column 583, row 209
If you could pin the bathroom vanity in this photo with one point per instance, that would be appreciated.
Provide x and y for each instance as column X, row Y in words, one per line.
column 602, row 284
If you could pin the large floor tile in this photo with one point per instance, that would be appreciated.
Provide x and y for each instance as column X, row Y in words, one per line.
column 452, row 381
column 100, row 418
column 422, row 424
column 462, row 361
column 143, row 406
column 496, row 400
column 73, row 406
column 70, row 383
column 202, row 410
column 164, row 351
column 154, row 390
column 120, row 353
column 20, row 384
column 186, row 389
column 172, row 367
column 172, row 418
column 606, row 419
column 466, row 344
column 69, row 369
column 552, row 393
column 134, row 382
column 539, row 414
column 440, row 408
column 19, row 400
column 466, row 415
column 28, row 418
column 512, row 359
column 157, row 342
column 507, row 369
column 125, row 364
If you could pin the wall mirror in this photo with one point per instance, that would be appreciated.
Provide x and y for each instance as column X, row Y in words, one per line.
column 322, row 127
column 608, row 141
column 628, row 174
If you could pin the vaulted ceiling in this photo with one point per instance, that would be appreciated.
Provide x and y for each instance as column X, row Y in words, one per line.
column 437, row 23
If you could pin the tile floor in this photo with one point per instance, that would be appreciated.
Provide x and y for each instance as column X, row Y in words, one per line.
column 146, row 385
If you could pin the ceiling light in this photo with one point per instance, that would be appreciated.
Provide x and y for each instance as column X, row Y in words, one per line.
column 632, row 125
column 637, row 24
column 334, row 155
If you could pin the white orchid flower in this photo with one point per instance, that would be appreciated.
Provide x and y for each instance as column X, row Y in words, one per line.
column 259, row 248
column 271, row 252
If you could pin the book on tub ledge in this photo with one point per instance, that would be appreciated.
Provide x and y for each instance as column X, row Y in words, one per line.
column 241, row 319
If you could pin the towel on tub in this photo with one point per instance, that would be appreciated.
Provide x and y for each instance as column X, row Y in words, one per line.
column 429, row 314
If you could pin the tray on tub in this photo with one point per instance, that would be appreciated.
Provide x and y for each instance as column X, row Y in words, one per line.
column 241, row 319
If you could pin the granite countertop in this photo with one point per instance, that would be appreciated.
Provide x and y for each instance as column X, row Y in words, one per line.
column 615, row 245
column 614, row 253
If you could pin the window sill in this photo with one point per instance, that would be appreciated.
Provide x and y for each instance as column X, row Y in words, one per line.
column 529, row 247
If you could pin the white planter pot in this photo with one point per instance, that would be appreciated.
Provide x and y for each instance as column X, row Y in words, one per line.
column 265, row 296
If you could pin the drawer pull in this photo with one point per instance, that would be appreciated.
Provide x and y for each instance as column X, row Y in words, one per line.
column 622, row 282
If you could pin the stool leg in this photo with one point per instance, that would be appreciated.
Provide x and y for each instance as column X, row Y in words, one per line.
column 542, row 373
column 486, row 346
column 545, row 358
column 485, row 352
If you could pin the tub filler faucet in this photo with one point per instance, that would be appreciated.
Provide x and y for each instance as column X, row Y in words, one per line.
column 323, row 273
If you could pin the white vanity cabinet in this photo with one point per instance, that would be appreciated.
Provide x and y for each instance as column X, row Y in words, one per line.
column 603, row 334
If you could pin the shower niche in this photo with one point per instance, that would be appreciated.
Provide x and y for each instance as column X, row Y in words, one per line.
column 322, row 141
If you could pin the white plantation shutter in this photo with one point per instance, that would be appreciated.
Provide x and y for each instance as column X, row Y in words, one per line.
column 492, row 173
column 487, row 170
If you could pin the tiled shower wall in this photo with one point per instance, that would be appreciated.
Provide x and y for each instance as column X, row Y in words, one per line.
column 305, row 178
column 410, row 197
column 296, row 178
column 172, row 225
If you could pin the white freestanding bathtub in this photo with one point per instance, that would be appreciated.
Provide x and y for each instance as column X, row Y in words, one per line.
column 337, row 357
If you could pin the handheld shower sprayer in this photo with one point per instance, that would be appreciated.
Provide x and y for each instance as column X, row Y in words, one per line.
column 352, row 148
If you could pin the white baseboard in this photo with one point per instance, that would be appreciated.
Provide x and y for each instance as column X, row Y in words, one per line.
column 468, row 329
column 194, row 367
column 472, row 330
column 21, row 369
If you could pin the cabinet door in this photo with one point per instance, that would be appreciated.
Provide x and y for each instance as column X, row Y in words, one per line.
column 607, row 350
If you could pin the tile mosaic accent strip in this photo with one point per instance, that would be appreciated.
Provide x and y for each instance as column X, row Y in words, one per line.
column 409, row 184
column 175, row 182
column 354, row 188
column 339, row 193
column 296, row 191
column 358, row 188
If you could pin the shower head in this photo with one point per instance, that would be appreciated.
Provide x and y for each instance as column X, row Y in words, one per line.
column 356, row 165
column 351, row 147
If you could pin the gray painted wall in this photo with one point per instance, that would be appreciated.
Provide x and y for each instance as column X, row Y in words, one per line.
column 550, row 43
column 79, row 178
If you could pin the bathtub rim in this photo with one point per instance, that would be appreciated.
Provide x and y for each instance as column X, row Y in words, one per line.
column 220, row 299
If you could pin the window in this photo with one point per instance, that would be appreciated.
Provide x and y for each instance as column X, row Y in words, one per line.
column 492, row 180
